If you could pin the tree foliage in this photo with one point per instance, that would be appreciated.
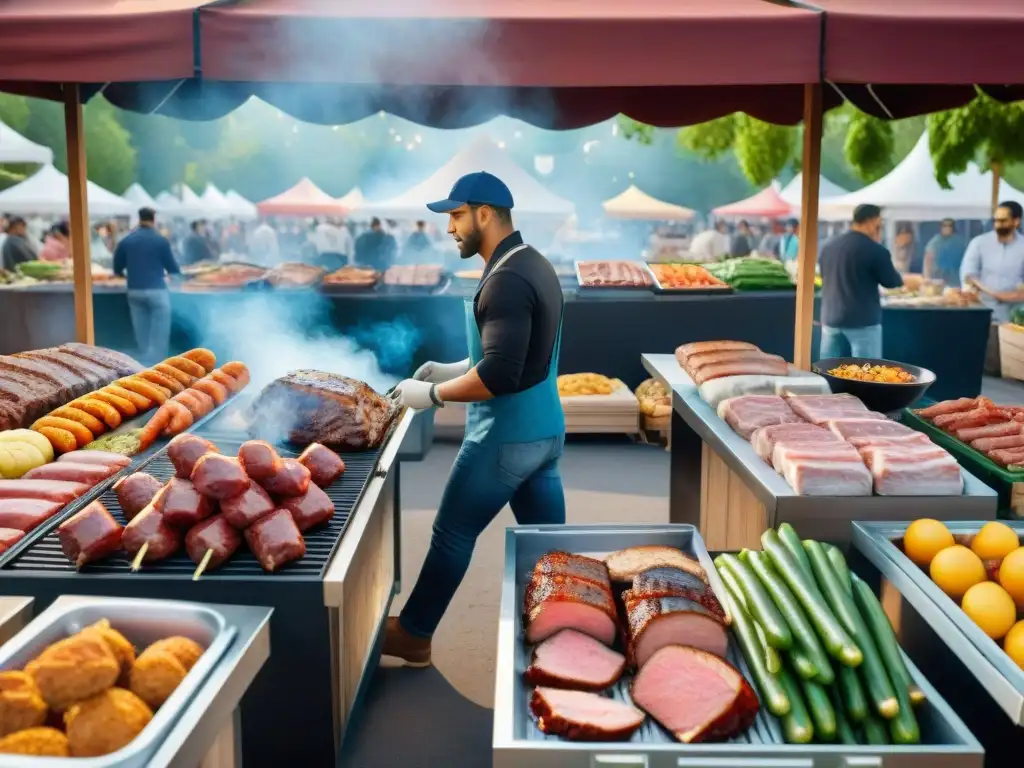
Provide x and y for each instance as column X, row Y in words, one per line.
column 710, row 140
column 763, row 150
column 985, row 131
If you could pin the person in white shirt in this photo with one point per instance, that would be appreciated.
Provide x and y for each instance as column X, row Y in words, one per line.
column 333, row 245
column 711, row 244
column 263, row 249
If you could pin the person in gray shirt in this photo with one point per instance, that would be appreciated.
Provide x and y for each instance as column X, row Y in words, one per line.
column 17, row 249
column 994, row 263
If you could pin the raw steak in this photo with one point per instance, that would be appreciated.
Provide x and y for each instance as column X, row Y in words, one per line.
column 769, row 365
column 627, row 563
column 695, row 695
column 584, row 716
column 827, row 477
column 315, row 407
column 749, row 412
column 655, row 622
column 866, row 427
column 684, row 352
column 554, row 603
column 571, row 659
column 903, row 472
column 764, row 438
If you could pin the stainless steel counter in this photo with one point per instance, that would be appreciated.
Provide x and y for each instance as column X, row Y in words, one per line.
column 696, row 424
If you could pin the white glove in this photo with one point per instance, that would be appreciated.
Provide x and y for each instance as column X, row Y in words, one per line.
column 414, row 394
column 439, row 373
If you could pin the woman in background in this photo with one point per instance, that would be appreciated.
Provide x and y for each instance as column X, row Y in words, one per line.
column 57, row 243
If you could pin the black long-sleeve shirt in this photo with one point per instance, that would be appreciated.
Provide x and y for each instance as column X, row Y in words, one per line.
column 853, row 266
column 146, row 255
column 517, row 311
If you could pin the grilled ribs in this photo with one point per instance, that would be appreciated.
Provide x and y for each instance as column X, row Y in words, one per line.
column 315, row 407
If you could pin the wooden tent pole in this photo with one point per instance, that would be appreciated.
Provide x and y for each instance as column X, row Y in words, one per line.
column 808, row 257
column 79, row 219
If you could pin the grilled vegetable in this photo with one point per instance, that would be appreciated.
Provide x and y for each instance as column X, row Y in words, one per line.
column 838, row 562
column 820, row 708
column 881, row 630
column 796, row 724
column 836, row 640
column 772, row 695
column 761, row 607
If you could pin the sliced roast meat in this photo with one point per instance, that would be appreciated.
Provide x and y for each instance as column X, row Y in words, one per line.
column 247, row 507
column 324, row 465
column 148, row 528
column 673, row 582
column 87, row 474
column 655, row 622
column 95, row 376
column 695, row 695
column 89, row 535
column 135, row 491
column 292, row 479
column 26, row 514
column 627, row 563
column 571, row 659
column 275, row 540
column 182, row 505
column 9, row 537
column 28, row 399
column 259, row 459
column 219, row 477
column 216, row 535
column 582, row 716
column 310, row 509
column 71, row 385
column 50, row 490
column 579, row 566
column 119, row 362
column 185, row 450
column 554, row 603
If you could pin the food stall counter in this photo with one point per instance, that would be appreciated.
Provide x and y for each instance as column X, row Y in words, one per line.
column 720, row 484
column 15, row 613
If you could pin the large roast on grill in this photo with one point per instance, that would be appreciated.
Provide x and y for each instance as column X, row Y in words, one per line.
column 316, row 407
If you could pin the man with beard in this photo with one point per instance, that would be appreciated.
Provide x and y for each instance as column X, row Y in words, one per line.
column 994, row 263
column 515, row 429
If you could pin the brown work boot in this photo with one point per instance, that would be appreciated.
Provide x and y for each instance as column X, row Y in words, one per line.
column 414, row 651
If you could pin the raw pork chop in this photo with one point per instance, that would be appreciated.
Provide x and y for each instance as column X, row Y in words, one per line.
column 655, row 622
column 695, row 695
column 914, row 472
column 764, row 438
column 790, row 451
column 571, row 659
column 749, row 412
column 818, row 409
column 627, row 563
column 826, row 476
column 906, row 440
column 554, row 603
column 867, row 427
column 584, row 716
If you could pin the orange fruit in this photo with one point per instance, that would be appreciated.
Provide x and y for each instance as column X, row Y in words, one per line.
column 956, row 569
column 990, row 607
column 1013, row 644
column 924, row 539
column 994, row 541
column 1011, row 576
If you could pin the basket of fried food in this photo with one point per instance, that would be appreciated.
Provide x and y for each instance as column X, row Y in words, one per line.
column 89, row 694
column 655, row 407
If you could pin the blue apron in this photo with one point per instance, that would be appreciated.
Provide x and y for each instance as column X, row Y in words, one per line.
column 523, row 417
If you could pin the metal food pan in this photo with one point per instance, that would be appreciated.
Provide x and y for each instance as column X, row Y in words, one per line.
column 1003, row 679
column 705, row 290
column 142, row 622
column 517, row 743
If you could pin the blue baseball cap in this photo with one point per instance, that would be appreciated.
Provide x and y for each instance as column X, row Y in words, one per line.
column 479, row 188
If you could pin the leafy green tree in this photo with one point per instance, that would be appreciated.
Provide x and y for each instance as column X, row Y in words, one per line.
column 762, row 150
column 14, row 111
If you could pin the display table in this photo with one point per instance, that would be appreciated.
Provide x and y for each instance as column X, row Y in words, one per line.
column 720, row 484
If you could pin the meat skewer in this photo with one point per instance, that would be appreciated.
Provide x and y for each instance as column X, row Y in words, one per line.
column 148, row 537
column 211, row 543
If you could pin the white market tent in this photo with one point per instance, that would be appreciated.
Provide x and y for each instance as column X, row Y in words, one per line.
column 793, row 192
column 15, row 148
column 240, row 207
column 532, row 199
column 910, row 192
column 192, row 206
column 45, row 193
column 353, row 200
column 639, row 206
column 137, row 195
column 168, row 204
column 217, row 205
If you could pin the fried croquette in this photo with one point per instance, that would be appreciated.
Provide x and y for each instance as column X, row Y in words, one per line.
column 185, row 649
column 155, row 676
column 74, row 669
column 123, row 650
column 42, row 742
column 21, row 704
column 106, row 722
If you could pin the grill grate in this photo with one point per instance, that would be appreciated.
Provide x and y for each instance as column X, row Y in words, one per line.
column 46, row 555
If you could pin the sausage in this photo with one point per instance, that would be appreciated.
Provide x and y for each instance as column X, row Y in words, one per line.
column 150, row 391
column 203, row 399
column 246, row 508
column 154, row 427
column 61, row 440
column 87, row 474
column 218, row 392
column 183, row 364
column 99, row 409
column 219, row 477
column 82, row 435
column 291, row 480
column 106, row 458
column 228, row 382
column 259, row 459
column 124, row 406
column 135, row 491
column 148, row 527
column 193, row 405
column 89, row 535
column 140, row 401
column 324, row 465
column 9, row 537
column 181, row 418
column 275, row 540
column 91, row 423
column 310, row 509
column 48, row 490
column 26, row 514
column 203, row 357
column 214, row 534
column 181, row 505
column 238, row 371
column 173, row 386
column 185, row 450
column 173, row 373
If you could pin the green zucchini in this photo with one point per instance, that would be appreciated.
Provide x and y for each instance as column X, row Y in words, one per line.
column 773, row 696
column 797, row 727
column 802, row 665
column 822, row 714
column 804, row 637
column 835, row 557
column 888, row 646
column 771, row 657
column 844, row 731
column 904, row 728
column 876, row 679
column 855, row 701
column 875, row 731
column 836, row 640
column 917, row 697
column 791, row 541
column 761, row 607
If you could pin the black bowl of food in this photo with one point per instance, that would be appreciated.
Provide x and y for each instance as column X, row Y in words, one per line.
column 882, row 385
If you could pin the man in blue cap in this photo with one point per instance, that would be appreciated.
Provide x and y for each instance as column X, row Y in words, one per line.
column 515, row 429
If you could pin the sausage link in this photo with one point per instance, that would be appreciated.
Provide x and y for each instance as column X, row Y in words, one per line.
column 61, row 440
column 87, row 420
column 139, row 400
column 181, row 419
column 99, row 408
column 82, row 435
column 173, row 386
column 173, row 373
column 183, row 364
column 156, row 394
column 124, row 406
column 204, row 357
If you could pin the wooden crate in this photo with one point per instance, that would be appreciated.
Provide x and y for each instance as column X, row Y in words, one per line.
column 1011, row 351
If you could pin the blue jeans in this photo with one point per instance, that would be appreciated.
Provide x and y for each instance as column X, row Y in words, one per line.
column 485, row 477
column 151, row 320
column 862, row 342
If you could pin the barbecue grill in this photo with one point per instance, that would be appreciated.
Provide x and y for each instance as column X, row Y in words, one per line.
column 329, row 606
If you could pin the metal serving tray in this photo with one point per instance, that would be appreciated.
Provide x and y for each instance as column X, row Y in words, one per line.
column 1003, row 679
column 518, row 743
column 705, row 290
column 142, row 622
